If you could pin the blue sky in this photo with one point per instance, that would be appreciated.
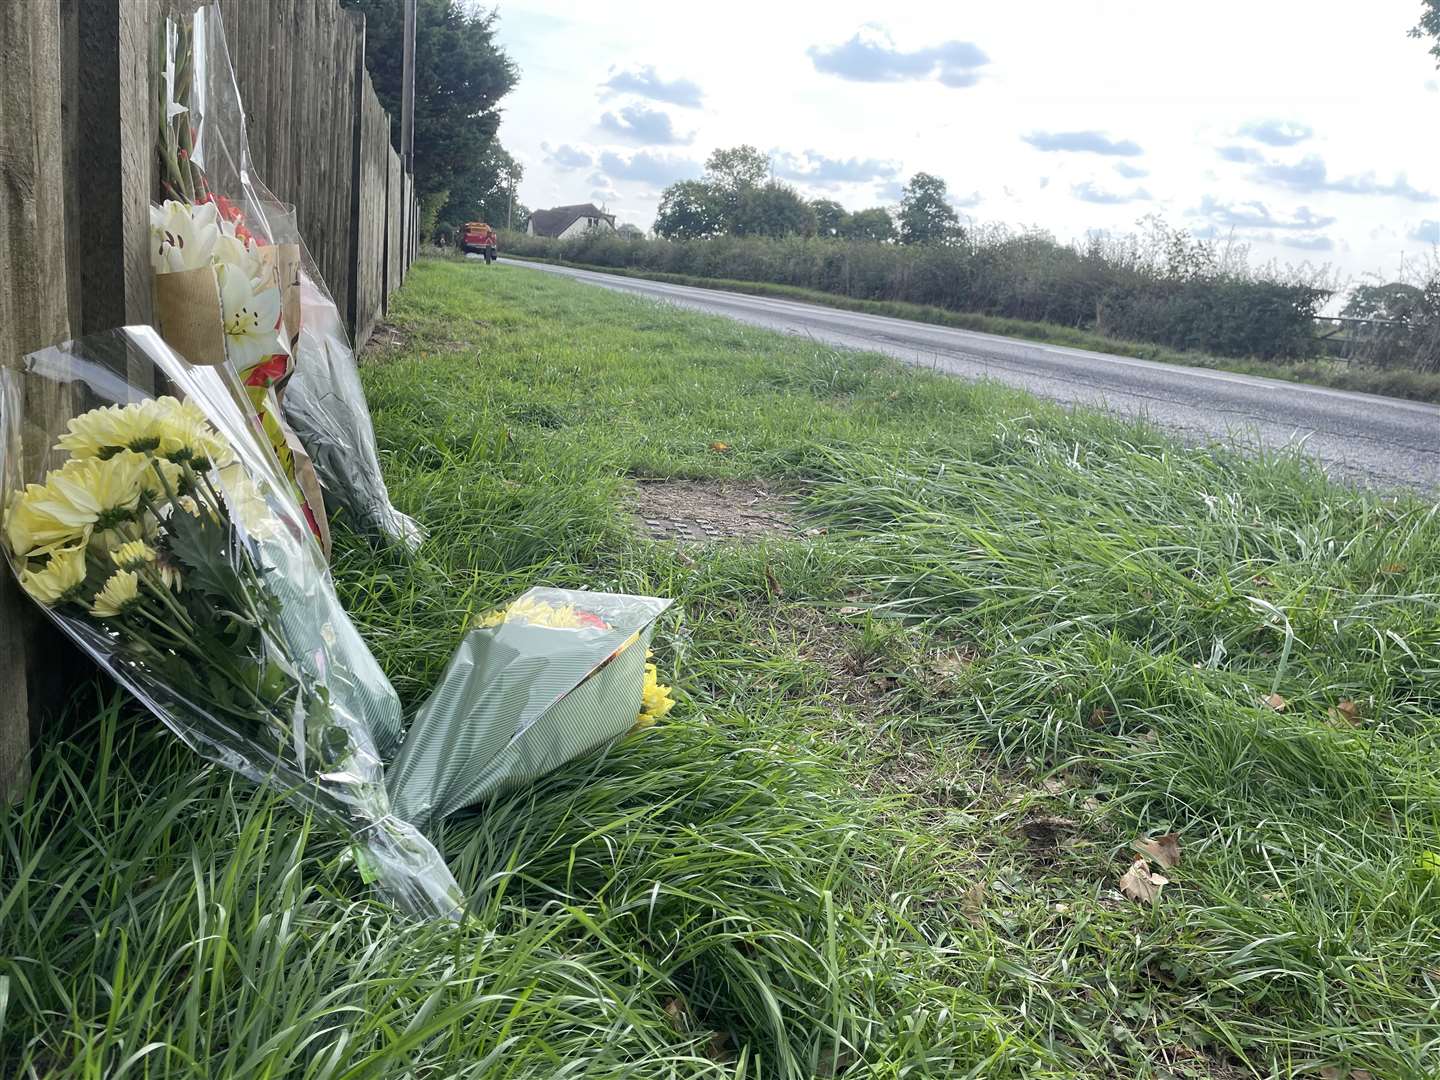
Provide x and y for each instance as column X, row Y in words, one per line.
column 1301, row 128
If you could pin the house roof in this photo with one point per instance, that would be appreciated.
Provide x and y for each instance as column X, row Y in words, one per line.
column 557, row 219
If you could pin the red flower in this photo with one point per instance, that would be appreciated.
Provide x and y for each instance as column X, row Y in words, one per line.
column 268, row 372
column 231, row 213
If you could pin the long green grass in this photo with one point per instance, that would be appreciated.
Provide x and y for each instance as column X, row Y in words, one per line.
column 881, row 834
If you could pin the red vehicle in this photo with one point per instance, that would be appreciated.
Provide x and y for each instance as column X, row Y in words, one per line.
column 478, row 237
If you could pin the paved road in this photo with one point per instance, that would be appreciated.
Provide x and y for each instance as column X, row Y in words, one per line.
column 1384, row 441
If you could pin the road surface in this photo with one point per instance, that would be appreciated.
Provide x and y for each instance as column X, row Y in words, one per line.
column 1383, row 441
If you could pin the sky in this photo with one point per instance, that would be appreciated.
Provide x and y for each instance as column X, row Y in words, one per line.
column 1304, row 129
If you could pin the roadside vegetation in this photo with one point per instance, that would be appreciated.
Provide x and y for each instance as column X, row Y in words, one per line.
column 889, row 830
column 1394, row 381
column 1162, row 289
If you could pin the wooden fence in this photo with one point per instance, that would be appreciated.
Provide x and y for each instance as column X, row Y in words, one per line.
column 78, row 170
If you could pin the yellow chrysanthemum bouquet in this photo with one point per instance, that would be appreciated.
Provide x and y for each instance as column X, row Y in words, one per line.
column 160, row 533
column 552, row 675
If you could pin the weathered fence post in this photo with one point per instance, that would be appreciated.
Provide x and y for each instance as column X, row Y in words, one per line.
column 394, row 229
column 34, row 295
column 115, row 168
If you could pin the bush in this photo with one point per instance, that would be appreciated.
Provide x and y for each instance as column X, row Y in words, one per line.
column 1164, row 288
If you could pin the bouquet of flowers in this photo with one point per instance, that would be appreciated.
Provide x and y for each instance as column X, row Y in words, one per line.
column 160, row 535
column 552, row 675
column 284, row 336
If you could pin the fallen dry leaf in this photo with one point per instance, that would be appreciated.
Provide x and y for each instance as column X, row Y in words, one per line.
column 974, row 901
column 1276, row 702
column 951, row 665
column 1142, row 884
column 1346, row 711
column 677, row 1014
column 718, row 1048
column 720, row 447
column 1161, row 850
column 774, row 583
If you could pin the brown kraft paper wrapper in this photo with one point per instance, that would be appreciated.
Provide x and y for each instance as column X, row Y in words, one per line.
column 187, row 306
column 285, row 259
column 309, row 483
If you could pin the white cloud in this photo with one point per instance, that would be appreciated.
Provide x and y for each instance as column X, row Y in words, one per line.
column 657, row 170
column 1086, row 142
column 644, row 82
column 1277, row 132
column 644, row 125
column 1089, row 192
column 871, row 56
column 1164, row 109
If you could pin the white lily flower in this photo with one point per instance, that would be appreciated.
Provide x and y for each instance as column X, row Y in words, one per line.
column 182, row 237
column 251, row 318
column 230, row 250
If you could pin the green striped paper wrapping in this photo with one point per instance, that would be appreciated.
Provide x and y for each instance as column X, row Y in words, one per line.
column 518, row 700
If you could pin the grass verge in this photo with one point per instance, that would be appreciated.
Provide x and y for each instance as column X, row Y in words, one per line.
column 1392, row 382
column 882, row 833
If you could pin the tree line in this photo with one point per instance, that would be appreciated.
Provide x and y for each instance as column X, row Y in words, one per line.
column 1162, row 286
column 462, row 172
column 737, row 196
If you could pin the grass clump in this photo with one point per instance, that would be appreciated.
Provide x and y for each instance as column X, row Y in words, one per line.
column 881, row 834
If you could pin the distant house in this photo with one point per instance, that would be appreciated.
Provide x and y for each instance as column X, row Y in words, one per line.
column 565, row 221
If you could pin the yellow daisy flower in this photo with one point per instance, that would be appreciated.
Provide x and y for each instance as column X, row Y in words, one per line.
column 151, row 480
column 120, row 593
column 247, row 506
column 186, row 435
column 133, row 555
column 29, row 530
column 105, row 432
column 93, row 492
column 655, row 698
column 59, row 580
column 541, row 613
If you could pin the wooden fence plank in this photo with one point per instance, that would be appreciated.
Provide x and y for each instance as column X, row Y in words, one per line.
column 117, row 119
column 373, row 150
column 394, row 230
column 34, row 295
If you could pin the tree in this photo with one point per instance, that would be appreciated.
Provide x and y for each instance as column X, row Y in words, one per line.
column 460, row 76
column 689, row 210
column 730, row 174
column 873, row 225
column 482, row 192
column 926, row 216
column 1393, row 302
column 737, row 168
column 829, row 217
column 773, row 209
column 1429, row 26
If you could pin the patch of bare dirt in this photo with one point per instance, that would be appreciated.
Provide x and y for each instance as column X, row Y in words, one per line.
column 707, row 511
column 386, row 340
